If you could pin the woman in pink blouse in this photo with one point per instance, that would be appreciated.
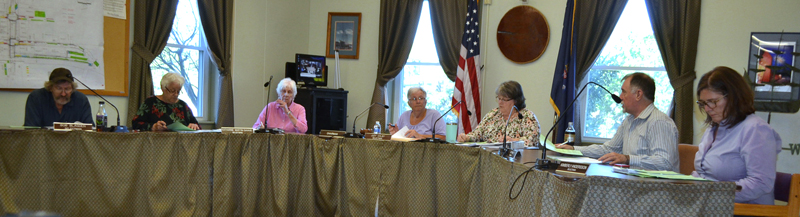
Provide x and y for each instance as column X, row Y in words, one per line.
column 283, row 113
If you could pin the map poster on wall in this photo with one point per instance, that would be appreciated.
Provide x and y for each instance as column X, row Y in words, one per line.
column 38, row 36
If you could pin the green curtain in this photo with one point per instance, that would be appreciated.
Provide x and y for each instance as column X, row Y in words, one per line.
column 676, row 26
column 217, row 19
column 447, row 21
column 152, row 25
column 398, row 25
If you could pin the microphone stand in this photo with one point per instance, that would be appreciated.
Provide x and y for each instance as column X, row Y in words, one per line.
column 433, row 128
column 353, row 134
column 119, row 128
column 268, row 85
column 505, row 150
column 544, row 163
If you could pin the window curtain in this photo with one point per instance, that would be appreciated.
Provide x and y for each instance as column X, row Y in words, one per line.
column 592, row 25
column 217, row 19
column 447, row 21
column 676, row 26
column 151, row 28
column 398, row 25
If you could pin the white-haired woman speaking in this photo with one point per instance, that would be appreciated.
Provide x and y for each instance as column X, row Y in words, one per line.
column 283, row 113
column 159, row 111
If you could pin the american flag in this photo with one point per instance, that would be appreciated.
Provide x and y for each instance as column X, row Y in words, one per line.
column 469, row 73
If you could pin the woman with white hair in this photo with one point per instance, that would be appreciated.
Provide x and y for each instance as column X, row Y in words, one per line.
column 157, row 112
column 419, row 120
column 283, row 113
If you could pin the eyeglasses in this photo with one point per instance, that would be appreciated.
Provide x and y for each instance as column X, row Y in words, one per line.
column 502, row 99
column 417, row 99
column 712, row 103
column 172, row 92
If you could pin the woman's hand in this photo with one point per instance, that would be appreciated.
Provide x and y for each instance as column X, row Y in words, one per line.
column 194, row 126
column 462, row 137
column 159, row 126
column 393, row 129
column 283, row 105
column 413, row 134
column 565, row 146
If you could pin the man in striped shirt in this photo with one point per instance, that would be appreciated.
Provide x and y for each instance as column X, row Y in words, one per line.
column 647, row 138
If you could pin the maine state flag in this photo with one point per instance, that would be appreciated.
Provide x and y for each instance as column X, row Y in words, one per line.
column 563, row 90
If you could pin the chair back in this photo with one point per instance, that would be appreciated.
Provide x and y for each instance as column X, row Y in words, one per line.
column 783, row 183
column 686, row 153
column 787, row 188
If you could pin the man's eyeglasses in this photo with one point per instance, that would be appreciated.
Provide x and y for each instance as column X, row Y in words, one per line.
column 416, row 99
column 712, row 103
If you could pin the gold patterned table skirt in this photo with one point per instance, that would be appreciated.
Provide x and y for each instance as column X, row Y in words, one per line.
column 173, row 174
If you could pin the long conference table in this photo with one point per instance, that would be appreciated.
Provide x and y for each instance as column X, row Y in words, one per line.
column 210, row 174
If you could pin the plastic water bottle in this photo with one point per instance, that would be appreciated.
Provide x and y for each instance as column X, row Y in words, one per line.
column 569, row 134
column 101, row 120
column 377, row 127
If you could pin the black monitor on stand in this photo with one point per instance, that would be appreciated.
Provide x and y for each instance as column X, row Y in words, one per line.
column 308, row 70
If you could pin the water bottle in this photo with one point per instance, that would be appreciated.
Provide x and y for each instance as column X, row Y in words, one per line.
column 377, row 127
column 101, row 118
column 569, row 134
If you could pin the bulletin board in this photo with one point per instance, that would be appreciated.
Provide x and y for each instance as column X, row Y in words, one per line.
column 116, row 51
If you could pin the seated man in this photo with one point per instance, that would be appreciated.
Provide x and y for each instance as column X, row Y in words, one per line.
column 57, row 102
column 646, row 139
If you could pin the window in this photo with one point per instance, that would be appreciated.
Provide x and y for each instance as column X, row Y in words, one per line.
column 423, row 70
column 631, row 48
column 186, row 54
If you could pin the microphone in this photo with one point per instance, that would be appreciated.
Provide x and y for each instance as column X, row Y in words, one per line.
column 270, row 81
column 358, row 135
column 507, row 149
column 119, row 128
column 544, row 163
column 433, row 128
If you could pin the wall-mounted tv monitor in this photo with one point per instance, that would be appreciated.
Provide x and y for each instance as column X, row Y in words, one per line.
column 310, row 70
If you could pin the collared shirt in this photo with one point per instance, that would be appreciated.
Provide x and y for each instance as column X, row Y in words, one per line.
column 492, row 127
column 41, row 111
column 425, row 125
column 650, row 140
column 273, row 116
column 746, row 154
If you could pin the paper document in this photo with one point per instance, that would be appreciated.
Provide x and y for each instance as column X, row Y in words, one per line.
column 574, row 159
column 178, row 126
column 657, row 174
column 552, row 147
column 400, row 135
column 203, row 131
column 479, row 144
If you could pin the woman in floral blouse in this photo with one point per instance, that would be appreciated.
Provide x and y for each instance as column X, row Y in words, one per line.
column 159, row 111
column 522, row 126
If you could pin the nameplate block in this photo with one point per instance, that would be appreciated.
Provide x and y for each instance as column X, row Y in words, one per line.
column 330, row 134
column 378, row 136
column 237, row 130
column 572, row 168
column 61, row 126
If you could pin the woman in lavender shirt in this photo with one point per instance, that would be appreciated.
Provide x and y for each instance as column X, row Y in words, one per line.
column 419, row 120
column 738, row 146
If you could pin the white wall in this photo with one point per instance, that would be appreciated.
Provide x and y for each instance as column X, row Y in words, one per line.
column 266, row 35
column 724, row 41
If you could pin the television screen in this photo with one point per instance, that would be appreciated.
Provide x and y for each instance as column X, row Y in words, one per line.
column 311, row 70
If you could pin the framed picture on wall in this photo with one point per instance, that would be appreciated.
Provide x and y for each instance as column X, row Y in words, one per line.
column 772, row 66
column 344, row 35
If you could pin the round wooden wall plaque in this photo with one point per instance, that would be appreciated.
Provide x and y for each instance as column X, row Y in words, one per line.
column 523, row 34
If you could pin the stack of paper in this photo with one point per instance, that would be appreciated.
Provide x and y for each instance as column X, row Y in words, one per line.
column 657, row 174
column 552, row 147
column 400, row 135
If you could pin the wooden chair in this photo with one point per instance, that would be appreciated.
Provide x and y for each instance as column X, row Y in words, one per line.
column 686, row 153
column 787, row 188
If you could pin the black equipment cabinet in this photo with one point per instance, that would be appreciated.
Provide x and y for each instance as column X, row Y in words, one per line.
column 326, row 109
